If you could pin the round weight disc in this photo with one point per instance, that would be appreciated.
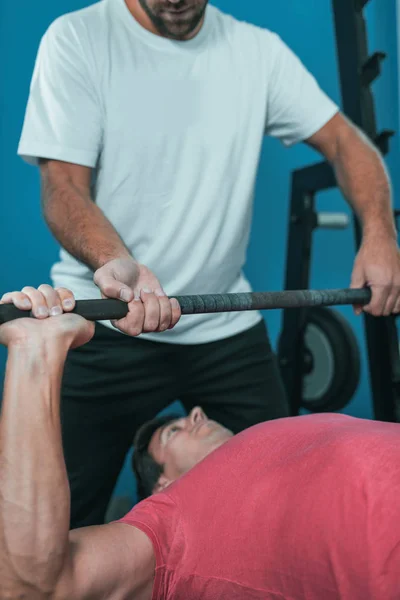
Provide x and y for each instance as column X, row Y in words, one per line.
column 330, row 384
column 318, row 382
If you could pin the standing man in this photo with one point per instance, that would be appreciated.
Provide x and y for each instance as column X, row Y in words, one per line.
column 147, row 119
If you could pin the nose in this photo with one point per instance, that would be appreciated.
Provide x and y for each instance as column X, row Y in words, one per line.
column 197, row 415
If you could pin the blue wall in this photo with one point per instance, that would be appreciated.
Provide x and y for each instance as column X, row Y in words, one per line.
column 27, row 247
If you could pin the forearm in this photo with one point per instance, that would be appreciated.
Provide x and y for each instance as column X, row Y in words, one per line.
column 78, row 223
column 35, row 496
column 364, row 181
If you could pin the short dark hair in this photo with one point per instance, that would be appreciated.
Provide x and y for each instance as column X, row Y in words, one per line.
column 147, row 471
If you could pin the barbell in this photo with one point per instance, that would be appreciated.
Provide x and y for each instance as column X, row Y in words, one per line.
column 108, row 310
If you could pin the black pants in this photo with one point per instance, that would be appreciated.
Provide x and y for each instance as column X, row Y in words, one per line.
column 115, row 383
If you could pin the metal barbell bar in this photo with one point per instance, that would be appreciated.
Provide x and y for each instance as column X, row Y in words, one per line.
column 107, row 310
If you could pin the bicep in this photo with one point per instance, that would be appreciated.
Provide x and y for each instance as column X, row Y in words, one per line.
column 101, row 563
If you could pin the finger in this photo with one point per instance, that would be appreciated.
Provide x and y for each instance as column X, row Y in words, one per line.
column 111, row 288
column 358, row 309
column 165, row 311
column 396, row 310
column 39, row 305
column 132, row 324
column 67, row 299
column 379, row 298
column 176, row 312
column 151, row 311
column 19, row 300
column 391, row 302
column 52, row 299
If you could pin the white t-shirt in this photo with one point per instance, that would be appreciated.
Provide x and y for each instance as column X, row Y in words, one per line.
column 173, row 131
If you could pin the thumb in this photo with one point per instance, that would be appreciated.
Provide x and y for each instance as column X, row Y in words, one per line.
column 358, row 281
column 111, row 288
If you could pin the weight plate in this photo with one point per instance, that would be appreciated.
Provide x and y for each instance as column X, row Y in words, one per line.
column 318, row 382
column 335, row 374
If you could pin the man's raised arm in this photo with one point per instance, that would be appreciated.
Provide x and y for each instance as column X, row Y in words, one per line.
column 39, row 558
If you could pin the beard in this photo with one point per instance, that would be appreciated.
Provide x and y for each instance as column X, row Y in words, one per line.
column 171, row 23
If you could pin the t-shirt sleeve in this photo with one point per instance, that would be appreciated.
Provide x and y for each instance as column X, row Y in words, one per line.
column 63, row 116
column 296, row 107
column 159, row 518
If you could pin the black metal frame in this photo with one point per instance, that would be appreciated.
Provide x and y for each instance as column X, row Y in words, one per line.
column 357, row 71
column 302, row 222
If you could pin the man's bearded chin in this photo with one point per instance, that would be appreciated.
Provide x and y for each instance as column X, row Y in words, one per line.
column 178, row 29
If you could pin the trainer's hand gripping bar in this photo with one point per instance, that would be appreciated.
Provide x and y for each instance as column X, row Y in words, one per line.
column 108, row 310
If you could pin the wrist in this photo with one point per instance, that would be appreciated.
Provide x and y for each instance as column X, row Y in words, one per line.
column 379, row 238
column 44, row 352
column 380, row 232
column 122, row 254
column 33, row 374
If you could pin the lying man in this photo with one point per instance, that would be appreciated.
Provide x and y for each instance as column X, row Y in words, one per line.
column 294, row 509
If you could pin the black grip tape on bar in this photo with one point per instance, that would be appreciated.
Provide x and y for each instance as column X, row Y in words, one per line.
column 107, row 310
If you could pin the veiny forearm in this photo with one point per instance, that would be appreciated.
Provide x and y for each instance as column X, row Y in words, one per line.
column 34, row 490
column 77, row 222
column 364, row 181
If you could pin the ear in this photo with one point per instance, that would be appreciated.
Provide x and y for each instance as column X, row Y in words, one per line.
column 161, row 484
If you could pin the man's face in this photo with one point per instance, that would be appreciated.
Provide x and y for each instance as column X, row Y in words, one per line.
column 182, row 444
column 176, row 19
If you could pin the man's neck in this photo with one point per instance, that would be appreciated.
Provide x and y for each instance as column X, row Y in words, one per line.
column 144, row 20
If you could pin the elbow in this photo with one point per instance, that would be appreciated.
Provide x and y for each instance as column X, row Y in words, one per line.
column 31, row 582
column 25, row 591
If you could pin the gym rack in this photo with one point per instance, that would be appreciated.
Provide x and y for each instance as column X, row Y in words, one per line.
column 358, row 70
